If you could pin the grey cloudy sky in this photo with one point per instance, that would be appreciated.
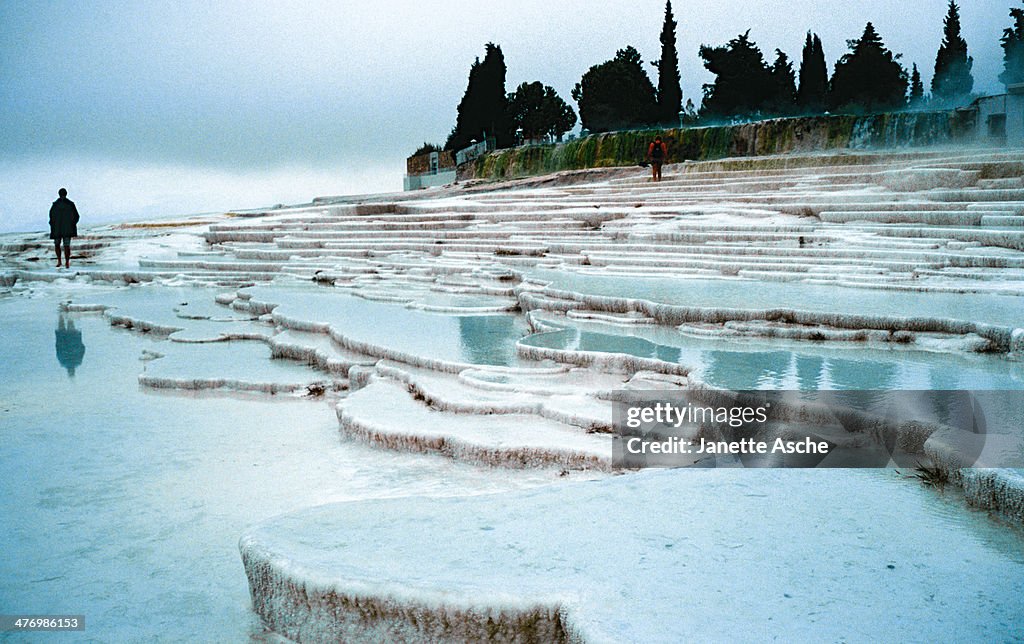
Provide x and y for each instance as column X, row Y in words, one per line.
column 264, row 85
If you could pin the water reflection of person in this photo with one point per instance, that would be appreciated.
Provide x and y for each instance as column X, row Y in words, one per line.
column 70, row 349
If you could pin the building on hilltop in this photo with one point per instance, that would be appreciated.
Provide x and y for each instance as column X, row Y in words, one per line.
column 1000, row 118
column 439, row 168
column 430, row 169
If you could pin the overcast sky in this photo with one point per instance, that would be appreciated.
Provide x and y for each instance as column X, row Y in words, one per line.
column 347, row 87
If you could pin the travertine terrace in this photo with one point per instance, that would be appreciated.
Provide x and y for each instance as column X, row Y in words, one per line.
column 495, row 324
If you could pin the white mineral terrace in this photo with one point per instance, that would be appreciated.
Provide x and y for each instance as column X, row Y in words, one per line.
column 496, row 325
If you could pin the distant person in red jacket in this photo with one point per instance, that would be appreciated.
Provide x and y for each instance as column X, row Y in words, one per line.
column 656, row 154
column 63, row 225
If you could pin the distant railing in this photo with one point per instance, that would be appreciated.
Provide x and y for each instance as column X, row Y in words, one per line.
column 471, row 153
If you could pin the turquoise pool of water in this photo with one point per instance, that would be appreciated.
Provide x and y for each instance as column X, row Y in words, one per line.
column 742, row 364
column 1002, row 310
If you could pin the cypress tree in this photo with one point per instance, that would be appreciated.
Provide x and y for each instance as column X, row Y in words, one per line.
column 483, row 106
column 670, row 96
column 813, row 90
column 494, row 102
column 869, row 78
column 916, row 87
column 952, row 79
column 466, row 112
column 1013, row 50
column 783, row 99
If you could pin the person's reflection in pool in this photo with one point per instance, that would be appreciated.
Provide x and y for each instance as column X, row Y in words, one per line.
column 70, row 349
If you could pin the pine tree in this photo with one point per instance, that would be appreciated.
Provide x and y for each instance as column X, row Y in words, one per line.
column 916, row 87
column 1013, row 50
column 869, row 78
column 670, row 96
column 813, row 90
column 539, row 111
column 617, row 94
column 482, row 111
column 952, row 80
column 744, row 85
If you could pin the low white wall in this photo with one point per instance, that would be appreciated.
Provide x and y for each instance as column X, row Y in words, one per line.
column 1011, row 106
column 417, row 181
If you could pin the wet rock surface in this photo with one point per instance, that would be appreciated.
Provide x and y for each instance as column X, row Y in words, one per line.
column 493, row 327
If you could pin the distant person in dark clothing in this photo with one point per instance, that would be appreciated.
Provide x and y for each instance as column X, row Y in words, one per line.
column 656, row 154
column 70, row 349
column 63, row 225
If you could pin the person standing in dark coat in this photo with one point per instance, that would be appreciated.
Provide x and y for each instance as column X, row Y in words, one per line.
column 63, row 225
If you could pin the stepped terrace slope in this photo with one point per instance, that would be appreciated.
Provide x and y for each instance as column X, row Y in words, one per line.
column 497, row 324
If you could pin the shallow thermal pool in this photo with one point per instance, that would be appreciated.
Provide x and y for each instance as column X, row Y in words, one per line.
column 758, row 364
column 126, row 505
column 487, row 339
column 1004, row 310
